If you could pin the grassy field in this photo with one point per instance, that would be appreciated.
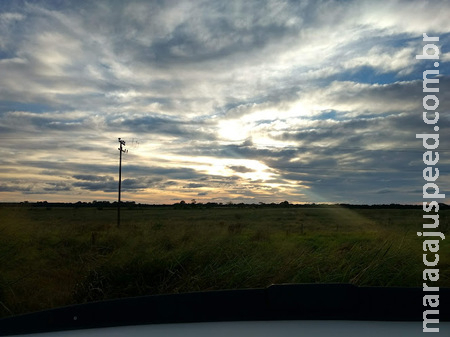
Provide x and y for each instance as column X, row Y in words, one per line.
column 57, row 256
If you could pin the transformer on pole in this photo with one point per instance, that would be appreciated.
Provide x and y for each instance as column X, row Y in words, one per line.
column 121, row 150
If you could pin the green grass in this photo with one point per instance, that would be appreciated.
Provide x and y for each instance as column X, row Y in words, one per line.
column 60, row 256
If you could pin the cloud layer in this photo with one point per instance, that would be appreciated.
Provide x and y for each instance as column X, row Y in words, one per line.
column 306, row 101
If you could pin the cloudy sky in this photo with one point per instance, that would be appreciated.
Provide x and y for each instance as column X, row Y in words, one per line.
column 242, row 101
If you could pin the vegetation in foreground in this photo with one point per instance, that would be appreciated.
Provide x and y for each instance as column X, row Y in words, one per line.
column 54, row 256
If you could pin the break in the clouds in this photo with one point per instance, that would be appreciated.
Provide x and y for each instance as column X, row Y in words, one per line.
column 253, row 101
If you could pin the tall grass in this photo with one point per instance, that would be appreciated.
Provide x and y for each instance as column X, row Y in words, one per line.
column 54, row 257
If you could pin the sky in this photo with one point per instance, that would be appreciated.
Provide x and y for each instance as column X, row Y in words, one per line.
column 219, row 101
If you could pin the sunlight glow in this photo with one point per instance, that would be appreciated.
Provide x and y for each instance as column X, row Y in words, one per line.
column 234, row 130
column 248, row 169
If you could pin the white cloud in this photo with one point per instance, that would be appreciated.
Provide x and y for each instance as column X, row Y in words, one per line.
column 222, row 78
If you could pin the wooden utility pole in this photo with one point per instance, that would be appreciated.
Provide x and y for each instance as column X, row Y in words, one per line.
column 121, row 150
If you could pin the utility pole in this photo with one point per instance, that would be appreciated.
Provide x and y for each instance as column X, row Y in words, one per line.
column 121, row 150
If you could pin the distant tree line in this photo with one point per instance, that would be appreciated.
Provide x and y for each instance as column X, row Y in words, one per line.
column 199, row 205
